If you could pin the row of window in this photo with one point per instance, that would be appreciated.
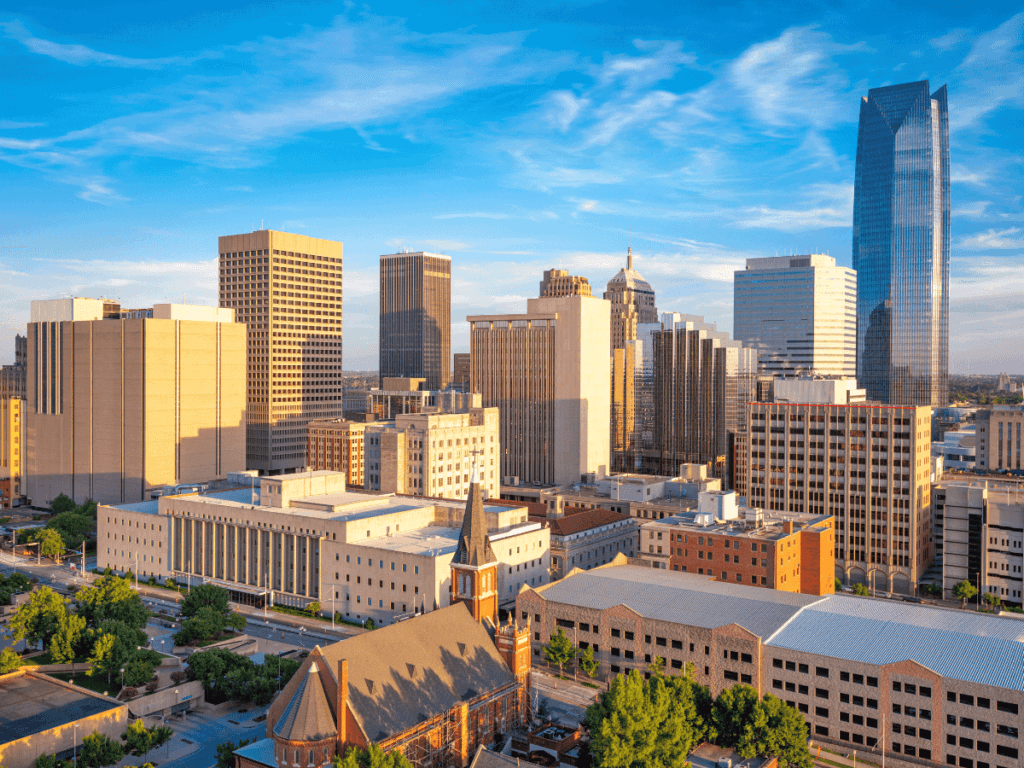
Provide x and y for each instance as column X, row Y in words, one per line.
column 984, row 703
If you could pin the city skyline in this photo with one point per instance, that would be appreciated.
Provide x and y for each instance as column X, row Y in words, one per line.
column 653, row 123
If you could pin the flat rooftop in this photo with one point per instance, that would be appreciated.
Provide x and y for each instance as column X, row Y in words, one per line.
column 31, row 703
column 770, row 528
column 433, row 540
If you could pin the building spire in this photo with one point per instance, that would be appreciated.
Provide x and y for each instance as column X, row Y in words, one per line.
column 474, row 547
column 629, row 258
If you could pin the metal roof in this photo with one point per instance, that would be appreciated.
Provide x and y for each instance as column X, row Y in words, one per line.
column 682, row 598
column 261, row 752
column 962, row 645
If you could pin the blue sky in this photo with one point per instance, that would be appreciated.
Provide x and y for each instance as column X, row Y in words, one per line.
column 512, row 137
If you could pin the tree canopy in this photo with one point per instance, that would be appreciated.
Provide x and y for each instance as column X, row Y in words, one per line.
column 964, row 591
column 39, row 617
column 559, row 650
column 99, row 750
column 237, row 677
column 140, row 740
column 374, row 757
column 112, row 597
column 204, row 596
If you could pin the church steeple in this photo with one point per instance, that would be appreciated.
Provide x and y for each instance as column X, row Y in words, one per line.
column 474, row 564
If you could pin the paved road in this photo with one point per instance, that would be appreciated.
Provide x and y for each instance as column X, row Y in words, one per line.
column 567, row 701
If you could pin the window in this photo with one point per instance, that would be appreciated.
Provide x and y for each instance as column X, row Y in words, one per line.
column 1005, row 706
column 790, row 686
column 984, row 703
column 629, row 635
column 791, row 666
column 821, row 671
column 872, row 703
column 821, row 711
column 844, row 698
column 804, row 669
column 746, row 658
column 821, row 693
column 821, row 730
column 777, row 663
column 910, row 688
column 730, row 675
column 1007, row 730
column 1006, row 751
column 844, row 717
column 925, row 691
column 873, row 682
column 677, row 645
column 616, row 633
column 966, row 698
column 777, row 684
column 897, row 687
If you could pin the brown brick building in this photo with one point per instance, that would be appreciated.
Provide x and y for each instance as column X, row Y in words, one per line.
column 937, row 686
column 791, row 552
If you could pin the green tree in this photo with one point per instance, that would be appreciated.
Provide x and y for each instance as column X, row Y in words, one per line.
column 72, row 527
column 112, row 597
column 992, row 600
column 12, row 585
column 51, row 544
column 206, row 623
column 587, row 662
column 38, row 618
column 130, row 637
column 105, row 656
column 137, row 671
column 369, row 624
column 65, row 641
column 9, row 661
column 237, row 622
column 861, row 589
column 226, row 753
column 139, row 740
column 62, row 504
column 964, row 591
column 99, row 750
column 839, row 584
column 657, row 666
column 313, row 609
column 732, row 711
column 205, row 596
column 776, row 730
column 651, row 725
column 374, row 757
column 45, row 761
column 559, row 650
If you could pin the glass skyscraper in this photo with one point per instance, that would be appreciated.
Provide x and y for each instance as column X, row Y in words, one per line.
column 901, row 245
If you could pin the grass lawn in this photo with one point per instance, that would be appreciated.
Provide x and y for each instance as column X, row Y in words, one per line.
column 97, row 683
column 45, row 658
column 305, row 614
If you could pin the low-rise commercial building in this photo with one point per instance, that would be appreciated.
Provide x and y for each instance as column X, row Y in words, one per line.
column 792, row 552
column 40, row 715
column 586, row 538
column 932, row 686
column 958, row 448
column 304, row 538
column 982, row 536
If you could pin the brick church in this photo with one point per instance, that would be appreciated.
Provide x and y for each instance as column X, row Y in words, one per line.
column 435, row 687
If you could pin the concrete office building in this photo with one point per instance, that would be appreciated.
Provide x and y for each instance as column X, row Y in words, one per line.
column 543, row 371
column 933, row 686
column 700, row 379
column 416, row 317
column 982, row 536
column 558, row 282
column 462, row 372
column 958, row 449
column 339, row 446
column 867, row 465
column 632, row 301
column 12, row 449
column 791, row 552
column 800, row 312
column 302, row 537
column 287, row 289
column 999, row 443
column 430, row 454
column 12, row 377
column 118, row 407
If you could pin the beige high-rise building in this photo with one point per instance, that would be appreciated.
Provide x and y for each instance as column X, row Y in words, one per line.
column 462, row 375
column 416, row 317
column 287, row 289
column 547, row 373
column 632, row 301
column 431, row 453
column 12, row 445
column 999, row 437
column 868, row 465
column 800, row 312
column 118, row 407
column 558, row 282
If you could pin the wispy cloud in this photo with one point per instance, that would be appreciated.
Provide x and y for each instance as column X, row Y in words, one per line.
column 993, row 240
column 992, row 73
column 951, row 39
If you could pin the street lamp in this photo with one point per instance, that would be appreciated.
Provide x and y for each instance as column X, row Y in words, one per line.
column 334, row 594
column 122, row 677
column 76, row 746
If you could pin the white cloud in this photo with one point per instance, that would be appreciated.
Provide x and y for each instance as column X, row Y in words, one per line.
column 951, row 39
column 77, row 55
column 992, row 239
column 992, row 73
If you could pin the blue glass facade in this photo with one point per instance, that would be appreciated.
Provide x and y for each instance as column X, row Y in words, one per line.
column 901, row 245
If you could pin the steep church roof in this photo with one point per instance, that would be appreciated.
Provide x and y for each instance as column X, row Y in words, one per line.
column 474, row 547
column 308, row 716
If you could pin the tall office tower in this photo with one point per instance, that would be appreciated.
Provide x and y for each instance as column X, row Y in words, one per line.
column 12, row 449
column 117, row 407
column 627, row 381
column 558, row 282
column 866, row 464
column 701, row 378
column 800, row 312
column 12, row 377
column 901, row 245
column 632, row 301
column 462, row 375
column 547, row 373
column 287, row 290
column 416, row 317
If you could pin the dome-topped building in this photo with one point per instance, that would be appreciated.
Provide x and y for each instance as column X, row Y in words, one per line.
column 632, row 301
